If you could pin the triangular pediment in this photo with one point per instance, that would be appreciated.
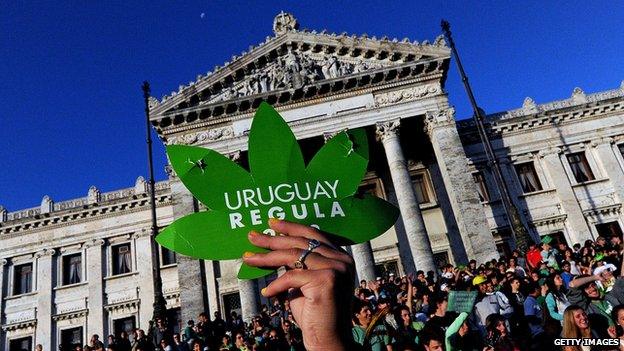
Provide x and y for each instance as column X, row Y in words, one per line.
column 298, row 62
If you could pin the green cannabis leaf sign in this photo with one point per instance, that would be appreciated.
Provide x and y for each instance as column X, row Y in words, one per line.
column 279, row 185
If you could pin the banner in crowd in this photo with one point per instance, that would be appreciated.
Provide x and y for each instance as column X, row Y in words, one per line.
column 461, row 301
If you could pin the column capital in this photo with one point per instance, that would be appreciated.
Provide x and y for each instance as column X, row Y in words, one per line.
column 550, row 151
column 602, row 141
column 94, row 243
column 147, row 231
column 387, row 129
column 3, row 262
column 45, row 252
column 234, row 156
column 439, row 118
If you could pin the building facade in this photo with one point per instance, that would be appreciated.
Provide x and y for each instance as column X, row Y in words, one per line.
column 81, row 267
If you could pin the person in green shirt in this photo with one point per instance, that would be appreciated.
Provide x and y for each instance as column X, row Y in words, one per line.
column 371, row 337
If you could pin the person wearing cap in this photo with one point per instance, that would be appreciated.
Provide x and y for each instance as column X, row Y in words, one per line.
column 548, row 253
column 598, row 304
column 605, row 284
column 488, row 302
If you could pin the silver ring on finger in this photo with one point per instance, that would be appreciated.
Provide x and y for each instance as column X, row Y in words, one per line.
column 313, row 244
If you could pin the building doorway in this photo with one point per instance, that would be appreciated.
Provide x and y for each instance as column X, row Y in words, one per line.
column 70, row 338
column 232, row 303
column 127, row 325
column 21, row 344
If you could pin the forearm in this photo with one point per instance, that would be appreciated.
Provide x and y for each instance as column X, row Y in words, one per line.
column 582, row 281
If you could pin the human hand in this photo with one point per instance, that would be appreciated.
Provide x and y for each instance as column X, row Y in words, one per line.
column 319, row 295
column 373, row 285
column 612, row 332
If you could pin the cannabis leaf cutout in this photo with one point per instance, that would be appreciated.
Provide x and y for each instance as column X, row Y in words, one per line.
column 279, row 185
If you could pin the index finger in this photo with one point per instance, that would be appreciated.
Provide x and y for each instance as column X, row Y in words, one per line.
column 299, row 230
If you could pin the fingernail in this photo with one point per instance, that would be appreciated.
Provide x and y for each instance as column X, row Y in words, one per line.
column 274, row 221
column 263, row 291
column 253, row 233
column 248, row 254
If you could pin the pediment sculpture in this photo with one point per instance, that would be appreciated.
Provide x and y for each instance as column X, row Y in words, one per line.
column 292, row 71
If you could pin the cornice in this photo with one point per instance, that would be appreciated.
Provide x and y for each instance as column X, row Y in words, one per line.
column 603, row 210
column 233, row 117
column 32, row 225
column 331, row 88
column 551, row 220
column 23, row 324
column 556, row 113
column 70, row 315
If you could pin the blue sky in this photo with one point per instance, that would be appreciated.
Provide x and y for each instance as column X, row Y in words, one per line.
column 71, row 108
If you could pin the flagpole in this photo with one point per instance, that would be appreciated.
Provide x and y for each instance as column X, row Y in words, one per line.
column 160, row 305
column 518, row 230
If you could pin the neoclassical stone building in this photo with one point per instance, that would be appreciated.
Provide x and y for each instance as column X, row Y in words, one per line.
column 80, row 267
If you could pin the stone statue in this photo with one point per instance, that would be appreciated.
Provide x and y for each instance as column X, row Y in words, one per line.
column 263, row 80
column 360, row 66
column 284, row 22
column 291, row 62
column 333, row 68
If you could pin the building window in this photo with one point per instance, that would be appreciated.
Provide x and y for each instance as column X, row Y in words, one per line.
column 122, row 259
column 503, row 249
column 528, row 177
column 127, row 325
column 232, row 303
column 609, row 229
column 420, row 187
column 71, row 338
column 558, row 238
column 385, row 268
column 580, row 167
column 479, row 179
column 441, row 259
column 72, row 269
column 21, row 344
column 22, row 278
column 167, row 256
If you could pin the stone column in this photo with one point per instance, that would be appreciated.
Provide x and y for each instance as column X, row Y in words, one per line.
column 3, row 287
column 578, row 228
column 606, row 156
column 250, row 299
column 212, row 289
column 144, row 265
column 45, row 298
column 190, row 271
column 362, row 253
column 460, row 186
column 405, row 252
column 388, row 133
column 452, row 232
column 94, row 275
column 364, row 261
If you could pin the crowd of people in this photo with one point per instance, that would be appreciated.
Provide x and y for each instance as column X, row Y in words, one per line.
column 523, row 302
